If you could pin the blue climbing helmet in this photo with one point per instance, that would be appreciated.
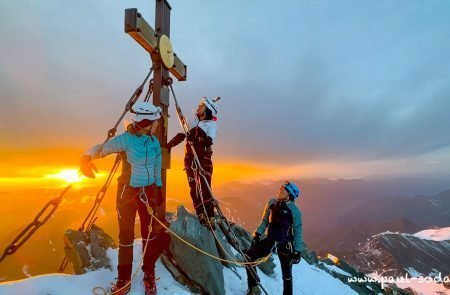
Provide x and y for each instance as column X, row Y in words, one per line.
column 292, row 189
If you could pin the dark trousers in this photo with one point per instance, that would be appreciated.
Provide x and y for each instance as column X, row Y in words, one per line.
column 191, row 173
column 128, row 203
column 263, row 248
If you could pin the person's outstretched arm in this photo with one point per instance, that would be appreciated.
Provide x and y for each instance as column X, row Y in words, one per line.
column 117, row 144
column 176, row 140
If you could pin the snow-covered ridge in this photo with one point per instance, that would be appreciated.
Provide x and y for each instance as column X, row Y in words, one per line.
column 439, row 234
column 436, row 234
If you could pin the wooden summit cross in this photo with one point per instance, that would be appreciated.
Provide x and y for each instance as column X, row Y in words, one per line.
column 157, row 44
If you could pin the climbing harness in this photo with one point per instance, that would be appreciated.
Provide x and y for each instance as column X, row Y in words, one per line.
column 31, row 228
column 201, row 173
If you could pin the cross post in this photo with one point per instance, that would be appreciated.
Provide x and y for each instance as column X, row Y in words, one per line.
column 165, row 62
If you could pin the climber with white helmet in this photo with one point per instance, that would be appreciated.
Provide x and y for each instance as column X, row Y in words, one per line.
column 201, row 135
column 140, row 182
column 283, row 221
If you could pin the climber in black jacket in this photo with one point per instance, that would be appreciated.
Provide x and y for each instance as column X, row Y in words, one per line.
column 201, row 135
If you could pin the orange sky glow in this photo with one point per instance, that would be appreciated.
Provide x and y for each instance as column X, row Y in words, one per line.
column 51, row 168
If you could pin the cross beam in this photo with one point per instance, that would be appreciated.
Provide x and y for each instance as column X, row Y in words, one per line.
column 138, row 28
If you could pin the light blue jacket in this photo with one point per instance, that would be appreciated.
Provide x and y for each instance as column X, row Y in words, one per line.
column 296, row 226
column 143, row 154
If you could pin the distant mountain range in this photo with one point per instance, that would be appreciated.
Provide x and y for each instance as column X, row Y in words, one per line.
column 347, row 238
column 396, row 214
column 395, row 254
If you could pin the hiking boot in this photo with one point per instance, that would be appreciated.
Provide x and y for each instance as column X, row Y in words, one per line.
column 254, row 291
column 122, row 287
column 208, row 222
column 149, row 284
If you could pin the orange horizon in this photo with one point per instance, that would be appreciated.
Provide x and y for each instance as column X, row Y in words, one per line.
column 34, row 168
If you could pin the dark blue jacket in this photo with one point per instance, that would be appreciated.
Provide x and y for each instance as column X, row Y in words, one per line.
column 276, row 228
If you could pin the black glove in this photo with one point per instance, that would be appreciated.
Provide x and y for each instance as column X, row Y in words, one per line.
column 87, row 167
column 256, row 239
column 296, row 257
column 191, row 134
column 159, row 196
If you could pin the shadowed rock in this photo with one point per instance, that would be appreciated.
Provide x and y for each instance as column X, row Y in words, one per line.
column 199, row 268
column 88, row 251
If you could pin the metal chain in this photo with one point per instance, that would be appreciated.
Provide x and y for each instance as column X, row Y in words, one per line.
column 37, row 222
column 134, row 97
column 150, row 91
column 99, row 197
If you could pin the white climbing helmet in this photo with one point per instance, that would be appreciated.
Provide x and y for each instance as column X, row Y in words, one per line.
column 145, row 111
column 210, row 104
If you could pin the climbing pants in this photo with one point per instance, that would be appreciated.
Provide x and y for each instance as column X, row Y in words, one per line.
column 263, row 248
column 128, row 203
column 207, row 165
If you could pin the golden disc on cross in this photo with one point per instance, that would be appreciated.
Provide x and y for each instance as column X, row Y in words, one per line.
column 166, row 51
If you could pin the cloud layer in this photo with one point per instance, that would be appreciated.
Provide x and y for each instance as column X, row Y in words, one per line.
column 301, row 81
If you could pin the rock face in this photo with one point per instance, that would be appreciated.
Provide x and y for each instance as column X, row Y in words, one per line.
column 198, row 267
column 203, row 274
column 394, row 254
column 88, row 251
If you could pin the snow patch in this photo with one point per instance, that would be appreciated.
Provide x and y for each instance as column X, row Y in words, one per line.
column 439, row 234
column 336, row 269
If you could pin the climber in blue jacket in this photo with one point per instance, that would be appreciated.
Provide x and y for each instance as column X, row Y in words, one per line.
column 283, row 221
column 139, row 184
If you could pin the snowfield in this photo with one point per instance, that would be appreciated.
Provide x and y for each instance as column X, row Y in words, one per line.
column 308, row 280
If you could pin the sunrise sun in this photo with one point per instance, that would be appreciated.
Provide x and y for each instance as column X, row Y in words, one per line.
column 68, row 175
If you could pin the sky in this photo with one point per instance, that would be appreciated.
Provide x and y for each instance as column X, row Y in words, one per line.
column 324, row 88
